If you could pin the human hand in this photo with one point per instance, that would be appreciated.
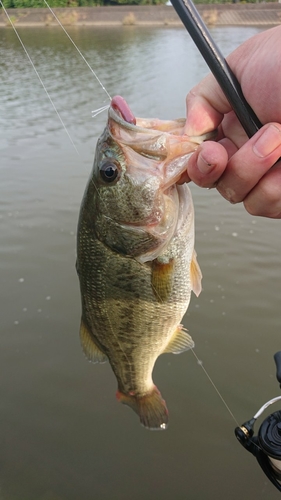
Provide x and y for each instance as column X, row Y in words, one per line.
column 240, row 168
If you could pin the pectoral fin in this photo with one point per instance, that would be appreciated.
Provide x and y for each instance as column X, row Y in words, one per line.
column 90, row 349
column 195, row 275
column 162, row 279
column 180, row 341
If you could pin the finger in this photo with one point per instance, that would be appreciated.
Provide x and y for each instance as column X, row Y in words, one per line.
column 265, row 200
column 205, row 106
column 206, row 165
column 232, row 128
column 250, row 163
column 206, row 103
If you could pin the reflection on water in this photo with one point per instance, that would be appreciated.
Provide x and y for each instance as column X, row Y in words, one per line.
column 63, row 435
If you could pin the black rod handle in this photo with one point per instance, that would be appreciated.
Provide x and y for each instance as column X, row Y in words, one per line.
column 277, row 359
column 225, row 77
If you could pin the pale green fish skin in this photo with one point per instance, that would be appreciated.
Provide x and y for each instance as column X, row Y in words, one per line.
column 135, row 257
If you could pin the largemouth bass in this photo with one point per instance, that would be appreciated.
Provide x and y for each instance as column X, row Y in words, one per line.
column 135, row 254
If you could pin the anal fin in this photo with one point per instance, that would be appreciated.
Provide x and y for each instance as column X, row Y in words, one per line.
column 90, row 349
column 181, row 341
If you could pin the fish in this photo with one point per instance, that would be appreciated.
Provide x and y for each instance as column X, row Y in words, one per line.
column 136, row 261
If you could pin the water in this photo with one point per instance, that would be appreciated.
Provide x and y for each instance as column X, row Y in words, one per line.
column 63, row 435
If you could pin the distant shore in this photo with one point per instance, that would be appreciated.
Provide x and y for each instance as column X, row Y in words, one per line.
column 256, row 14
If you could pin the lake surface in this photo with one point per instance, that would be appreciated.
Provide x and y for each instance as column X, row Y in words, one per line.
column 63, row 436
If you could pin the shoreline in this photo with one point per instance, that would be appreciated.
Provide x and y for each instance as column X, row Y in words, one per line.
column 258, row 14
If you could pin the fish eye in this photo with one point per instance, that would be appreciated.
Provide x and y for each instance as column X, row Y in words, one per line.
column 109, row 171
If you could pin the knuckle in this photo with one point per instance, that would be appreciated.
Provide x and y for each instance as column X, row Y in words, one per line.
column 229, row 194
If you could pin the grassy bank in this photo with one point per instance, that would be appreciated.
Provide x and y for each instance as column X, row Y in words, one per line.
column 213, row 14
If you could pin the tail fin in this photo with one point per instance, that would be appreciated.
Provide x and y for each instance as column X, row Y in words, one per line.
column 151, row 408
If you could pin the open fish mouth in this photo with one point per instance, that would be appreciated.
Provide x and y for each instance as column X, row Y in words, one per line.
column 160, row 140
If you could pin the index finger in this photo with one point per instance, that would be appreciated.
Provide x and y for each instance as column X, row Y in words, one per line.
column 206, row 105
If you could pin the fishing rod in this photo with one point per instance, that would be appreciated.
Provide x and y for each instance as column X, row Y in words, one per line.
column 225, row 77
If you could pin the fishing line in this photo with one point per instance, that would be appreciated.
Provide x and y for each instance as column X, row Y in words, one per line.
column 96, row 112
column 39, row 77
column 215, row 387
column 78, row 50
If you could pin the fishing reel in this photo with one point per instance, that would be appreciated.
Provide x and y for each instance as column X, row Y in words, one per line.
column 266, row 446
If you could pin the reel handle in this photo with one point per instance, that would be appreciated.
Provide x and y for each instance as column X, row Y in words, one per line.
column 277, row 359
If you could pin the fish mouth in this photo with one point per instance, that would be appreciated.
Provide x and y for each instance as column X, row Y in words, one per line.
column 152, row 145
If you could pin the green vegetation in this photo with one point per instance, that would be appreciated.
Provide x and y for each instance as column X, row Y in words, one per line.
column 8, row 4
column 20, row 4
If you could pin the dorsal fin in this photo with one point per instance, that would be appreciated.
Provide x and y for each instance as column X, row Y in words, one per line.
column 195, row 275
column 180, row 341
column 90, row 349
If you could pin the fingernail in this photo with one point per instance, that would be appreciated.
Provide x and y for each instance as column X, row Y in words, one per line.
column 267, row 142
column 203, row 166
